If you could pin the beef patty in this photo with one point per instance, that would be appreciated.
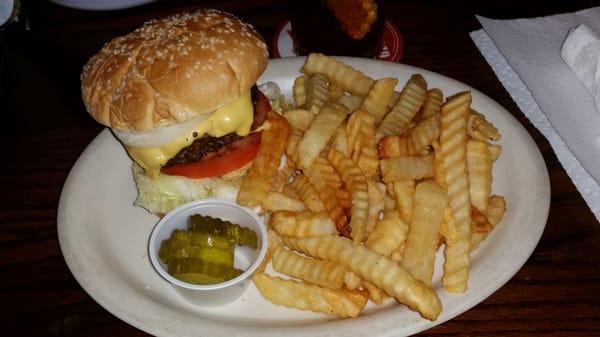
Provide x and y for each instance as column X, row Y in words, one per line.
column 207, row 144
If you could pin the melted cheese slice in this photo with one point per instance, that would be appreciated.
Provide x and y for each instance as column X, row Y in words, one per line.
column 236, row 116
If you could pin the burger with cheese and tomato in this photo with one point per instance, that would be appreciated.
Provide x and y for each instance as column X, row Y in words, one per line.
column 180, row 95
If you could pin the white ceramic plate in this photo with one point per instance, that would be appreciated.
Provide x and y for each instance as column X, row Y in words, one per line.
column 104, row 238
column 101, row 5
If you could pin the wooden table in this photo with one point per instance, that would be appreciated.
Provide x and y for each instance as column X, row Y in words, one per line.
column 46, row 127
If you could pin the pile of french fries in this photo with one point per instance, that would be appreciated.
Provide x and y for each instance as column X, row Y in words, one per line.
column 374, row 182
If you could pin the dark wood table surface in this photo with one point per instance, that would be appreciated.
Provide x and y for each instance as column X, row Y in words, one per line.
column 45, row 127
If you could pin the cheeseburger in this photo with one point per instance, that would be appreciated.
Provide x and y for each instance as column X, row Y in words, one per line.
column 180, row 95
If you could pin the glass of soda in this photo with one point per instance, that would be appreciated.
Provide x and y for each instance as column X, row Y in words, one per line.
column 337, row 27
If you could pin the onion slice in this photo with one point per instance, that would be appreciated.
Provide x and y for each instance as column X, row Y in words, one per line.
column 161, row 135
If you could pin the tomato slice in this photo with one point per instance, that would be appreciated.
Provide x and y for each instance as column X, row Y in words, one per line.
column 227, row 159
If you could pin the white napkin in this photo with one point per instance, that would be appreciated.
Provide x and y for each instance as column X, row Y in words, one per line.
column 525, row 55
column 581, row 52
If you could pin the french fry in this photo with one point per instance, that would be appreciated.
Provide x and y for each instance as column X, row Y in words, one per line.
column 413, row 141
column 340, row 140
column 495, row 151
column 315, row 271
column 479, row 168
column 352, row 102
column 301, row 224
column 308, row 194
column 295, row 294
column 282, row 177
column 274, row 241
column 439, row 173
column 376, row 206
column 299, row 121
column 361, row 141
column 388, row 201
column 276, row 201
column 255, row 185
column 394, row 99
column 376, row 295
column 376, row 100
column 404, row 192
column 327, row 172
column 406, row 168
column 479, row 128
column 289, row 191
column 358, row 120
column 335, row 92
column 448, row 227
column 328, row 195
column 356, row 181
column 338, row 73
column 299, row 90
column 389, row 234
column 352, row 281
column 453, row 143
column 344, row 197
column 432, row 104
column 317, row 92
column 424, row 133
column 423, row 236
column 496, row 209
column 319, row 132
column 395, row 146
column 409, row 103
column 299, row 118
column 374, row 268
column 479, row 222
column 396, row 255
column 494, row 213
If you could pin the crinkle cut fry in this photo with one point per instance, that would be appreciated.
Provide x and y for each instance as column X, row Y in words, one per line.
column 479, row 167
column 356, row 181
column 377, row 99
column 304, row 296
column 257, row 182
column 301, row 224
column 315, row 271
column 308, row 193
column 413, row 141
column 453, row 142
column 361, row 142
column 408, row 105
column 432, row 104
column 374, row 268
column 339, row 73
column 317, row 92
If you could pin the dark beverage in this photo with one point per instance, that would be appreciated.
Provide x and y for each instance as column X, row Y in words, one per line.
column 342, row 27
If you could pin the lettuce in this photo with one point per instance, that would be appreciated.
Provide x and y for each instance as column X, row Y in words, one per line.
column 279, row 103
column 166, row 192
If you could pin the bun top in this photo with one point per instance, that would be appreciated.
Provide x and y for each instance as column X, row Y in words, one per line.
column 172, row 69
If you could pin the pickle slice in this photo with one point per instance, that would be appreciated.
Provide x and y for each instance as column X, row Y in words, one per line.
column 199, row 266
column 210, row 240
column 198, row 278
column 202, row 239
column 184, row 243
column 214, row 255
column 183, row 249
column 234, row 232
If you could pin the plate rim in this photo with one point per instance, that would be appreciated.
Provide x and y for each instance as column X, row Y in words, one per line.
column 422, row 324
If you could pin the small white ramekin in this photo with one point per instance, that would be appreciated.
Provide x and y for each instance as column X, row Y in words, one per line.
column 245, row 258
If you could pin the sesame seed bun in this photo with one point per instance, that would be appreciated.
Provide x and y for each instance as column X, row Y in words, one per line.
column 172, row 69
